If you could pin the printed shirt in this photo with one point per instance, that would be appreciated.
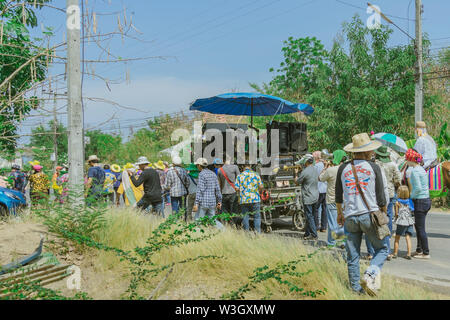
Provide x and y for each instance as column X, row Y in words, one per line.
column 110, row 179
column 370, row 180
column 208, row 190
column 39, row 182
column 405, row 217
column 248, row 183
column 174, row 184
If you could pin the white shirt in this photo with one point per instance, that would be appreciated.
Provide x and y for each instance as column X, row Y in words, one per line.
column 322, row 185
column 426, row 146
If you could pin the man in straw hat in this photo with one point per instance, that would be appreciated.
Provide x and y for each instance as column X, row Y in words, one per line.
column 96, row 179
column 152, row 186
column 426, row 146
column 356, row 215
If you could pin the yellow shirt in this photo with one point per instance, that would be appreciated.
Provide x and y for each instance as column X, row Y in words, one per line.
column 138, row 192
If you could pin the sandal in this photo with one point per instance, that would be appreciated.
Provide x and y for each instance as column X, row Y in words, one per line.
column 408, row 257
column 394, row 256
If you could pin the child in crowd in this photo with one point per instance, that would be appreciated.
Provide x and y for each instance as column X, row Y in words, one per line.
column 404, row 220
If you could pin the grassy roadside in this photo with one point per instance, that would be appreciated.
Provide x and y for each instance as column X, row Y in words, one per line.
column 104, row 276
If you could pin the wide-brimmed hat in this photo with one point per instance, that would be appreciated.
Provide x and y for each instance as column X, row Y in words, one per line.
column 93, row 158
column 159, row 165
column 128, row 166
column 202, row 162
column 37, row 167
column 115, row 168
column 362, row 143
column 176, row 161
column 383, row 154
column 338, row 155
column 142, row 160
column 34, row 163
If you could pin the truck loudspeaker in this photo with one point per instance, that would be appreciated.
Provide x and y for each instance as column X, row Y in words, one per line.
column 293, row 137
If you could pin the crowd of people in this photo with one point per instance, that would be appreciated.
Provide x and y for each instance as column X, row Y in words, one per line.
column 340, row 191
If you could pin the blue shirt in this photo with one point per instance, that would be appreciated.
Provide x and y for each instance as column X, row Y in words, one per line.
column 98, row 179
column 419, row 183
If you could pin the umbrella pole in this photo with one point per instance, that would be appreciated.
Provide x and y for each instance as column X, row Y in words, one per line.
column 251, row 111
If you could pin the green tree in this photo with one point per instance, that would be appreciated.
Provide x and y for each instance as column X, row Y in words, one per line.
column 360, row 85
column 104, row 145
column 42, row 142
column 22, row 63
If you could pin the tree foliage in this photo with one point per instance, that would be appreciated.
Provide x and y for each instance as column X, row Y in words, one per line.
column 360, row 85
column 22, row 63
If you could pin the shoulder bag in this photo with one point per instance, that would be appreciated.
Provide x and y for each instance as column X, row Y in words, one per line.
column 379, row 219
column 228, row 180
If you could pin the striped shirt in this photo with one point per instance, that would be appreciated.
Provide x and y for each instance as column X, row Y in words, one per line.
column 174, row 184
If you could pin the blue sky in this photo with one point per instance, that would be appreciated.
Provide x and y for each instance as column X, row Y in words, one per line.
column 216, row 46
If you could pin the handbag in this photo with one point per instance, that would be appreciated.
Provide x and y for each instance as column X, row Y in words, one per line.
column 378, row 218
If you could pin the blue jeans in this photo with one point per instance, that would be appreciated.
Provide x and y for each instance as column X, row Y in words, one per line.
column 209, row 212
column 253, row 209
column 332, row 222
column 177, row 203
column 356, row 226
column 310, row 228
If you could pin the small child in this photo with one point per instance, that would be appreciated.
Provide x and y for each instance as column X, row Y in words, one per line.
column 404, row 220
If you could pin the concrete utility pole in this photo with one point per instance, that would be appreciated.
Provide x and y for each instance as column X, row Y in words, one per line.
column 55, row 133
column 75, row 108
column 419, row 75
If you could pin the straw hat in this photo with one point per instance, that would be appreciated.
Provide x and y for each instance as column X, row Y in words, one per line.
column 159, row 165
column 34, row 163
column 362, row 143
column 115, row 168
column 128, row 166
column 176, row 161
column 202, row 162
column 420, row 125
column 92, row 158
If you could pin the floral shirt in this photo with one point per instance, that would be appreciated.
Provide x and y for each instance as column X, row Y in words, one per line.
column 248, row 183
column 39, row 182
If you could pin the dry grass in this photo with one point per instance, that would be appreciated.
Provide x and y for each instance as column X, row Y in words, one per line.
column 105, row 277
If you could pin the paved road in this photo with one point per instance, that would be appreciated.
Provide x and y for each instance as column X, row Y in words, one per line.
column 435, row 271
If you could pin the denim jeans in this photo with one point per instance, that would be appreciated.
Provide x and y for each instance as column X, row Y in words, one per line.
column 177, row 204
column 253, row 209
column 421, row 208
column 144, row 203
column 208, row 212
column 356, row 226
column 310, row 228
column 320, row 220
column 332, row 222
column 390, row 213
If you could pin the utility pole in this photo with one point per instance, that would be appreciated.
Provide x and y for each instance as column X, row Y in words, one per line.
column 75, row 108
column 55, row 132
column 419, row 75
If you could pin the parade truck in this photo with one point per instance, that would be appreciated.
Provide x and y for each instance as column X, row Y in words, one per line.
column 281, row 197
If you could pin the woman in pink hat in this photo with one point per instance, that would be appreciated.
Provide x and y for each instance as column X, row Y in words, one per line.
column 39, row 185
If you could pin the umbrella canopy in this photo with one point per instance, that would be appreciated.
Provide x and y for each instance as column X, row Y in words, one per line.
column 391, row 140
column 249, row 104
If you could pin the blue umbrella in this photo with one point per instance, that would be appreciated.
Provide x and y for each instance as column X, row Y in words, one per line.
column 249, row 104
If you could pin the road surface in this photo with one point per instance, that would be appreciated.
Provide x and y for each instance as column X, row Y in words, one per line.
column 434, row 272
